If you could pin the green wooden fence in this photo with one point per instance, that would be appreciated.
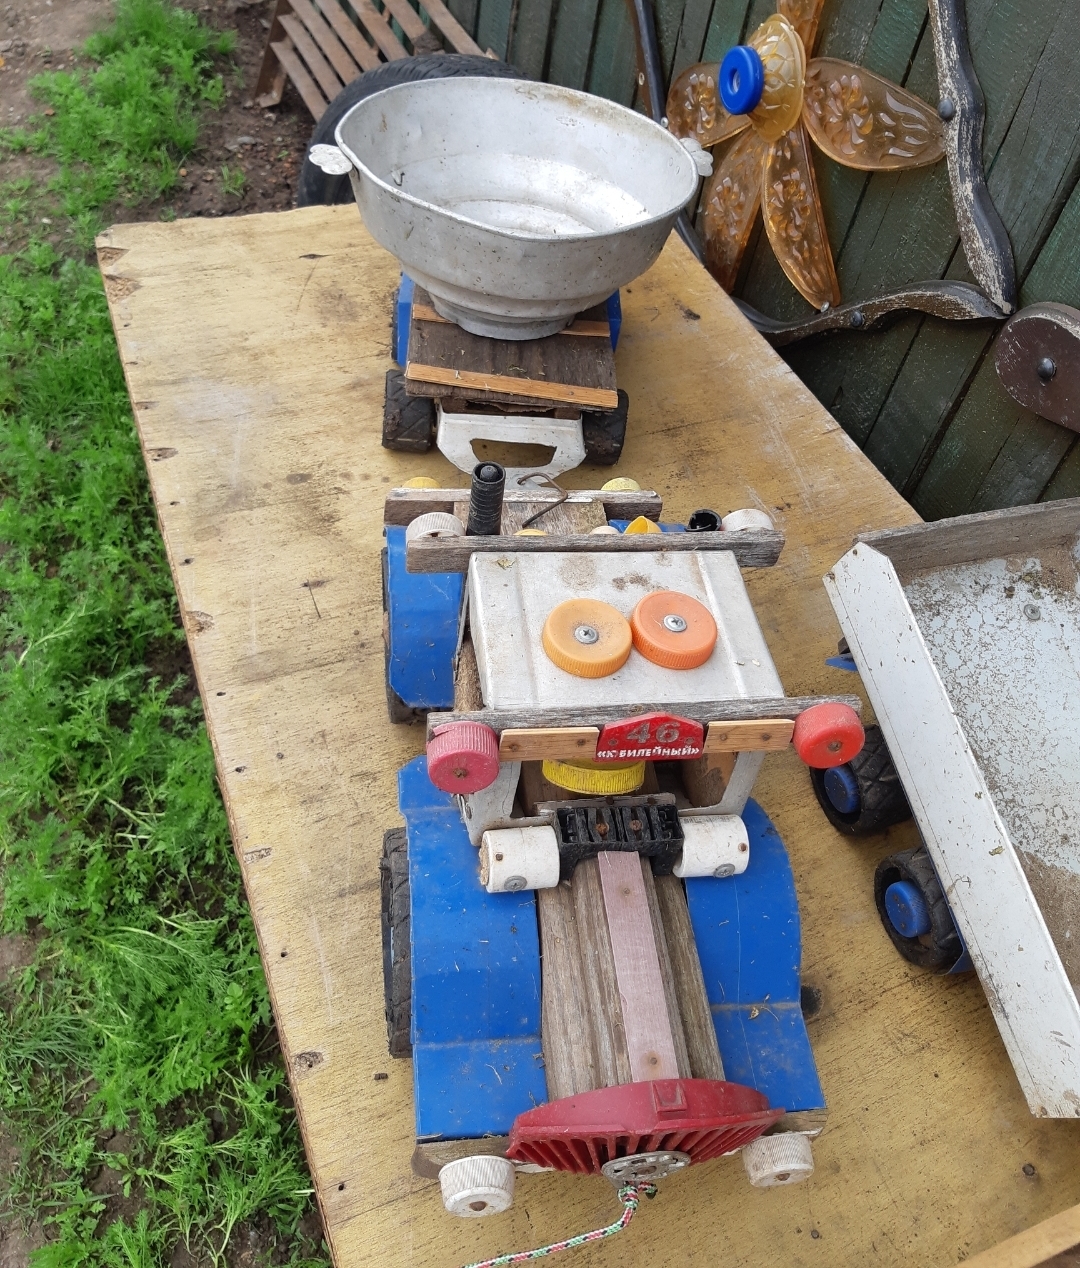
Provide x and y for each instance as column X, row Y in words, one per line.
column 921, row 398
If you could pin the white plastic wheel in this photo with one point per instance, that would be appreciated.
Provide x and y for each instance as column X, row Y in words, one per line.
column 513, row 859
column 748, row 518
column 785, row 1158
column 434, row 524
column 477, row 1186
column 713, row 845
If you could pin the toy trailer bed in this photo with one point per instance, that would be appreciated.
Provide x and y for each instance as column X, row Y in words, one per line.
column 967, row 636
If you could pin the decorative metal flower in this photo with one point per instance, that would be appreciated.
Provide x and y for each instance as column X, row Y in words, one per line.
column 780, row 100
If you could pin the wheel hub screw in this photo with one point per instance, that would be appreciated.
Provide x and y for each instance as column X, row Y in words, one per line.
column 675, row 623
column 587, row 634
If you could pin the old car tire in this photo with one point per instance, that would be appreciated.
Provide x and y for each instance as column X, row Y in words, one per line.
column 604, row 434
column 408, row 421
column 875, row 798
column 319, row 188
column 397, row 963
column 940, row 947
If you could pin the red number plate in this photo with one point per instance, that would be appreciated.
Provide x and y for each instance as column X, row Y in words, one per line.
column 650, row 737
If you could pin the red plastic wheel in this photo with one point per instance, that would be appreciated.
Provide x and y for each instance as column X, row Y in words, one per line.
column 828, row 735
column 463, row 757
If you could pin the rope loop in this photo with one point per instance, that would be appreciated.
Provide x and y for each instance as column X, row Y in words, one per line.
column 630, row 1196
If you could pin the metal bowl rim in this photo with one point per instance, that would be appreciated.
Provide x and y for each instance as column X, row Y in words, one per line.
column 504, row 233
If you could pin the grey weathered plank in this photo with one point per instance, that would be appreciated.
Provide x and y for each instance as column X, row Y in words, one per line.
column 402, row 506
column 698, row 711
column 752, row 548
column 690, row 39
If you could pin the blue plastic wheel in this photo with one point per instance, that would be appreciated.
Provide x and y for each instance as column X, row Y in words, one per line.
column 742, row 79
column 842, row 789
column 907, row 910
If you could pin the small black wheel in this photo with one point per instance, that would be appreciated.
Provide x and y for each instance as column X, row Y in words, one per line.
column 398, row 710
column 915, row 911
column 397, row 961
column 319, row 188
column 605, row 434
column 408, row 421
column 864, row 795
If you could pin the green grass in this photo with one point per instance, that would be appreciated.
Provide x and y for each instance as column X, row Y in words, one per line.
column 138, row 1048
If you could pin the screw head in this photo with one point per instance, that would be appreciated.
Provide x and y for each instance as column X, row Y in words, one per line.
column 858, row 319
column 514, row 883
column 1046, row 369
column 587, row 634
column 725, row 869
column 675, row 623
column 946, row 108
column 1032, row 611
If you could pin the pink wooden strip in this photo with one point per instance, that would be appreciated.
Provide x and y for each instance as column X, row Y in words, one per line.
column 637, row 968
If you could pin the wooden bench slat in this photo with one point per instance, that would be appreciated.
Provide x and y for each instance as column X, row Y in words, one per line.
column 451, row 28
column 328, row 42
column 408, row 19
column 378, row 28
column 297, row 72
column 329, row 82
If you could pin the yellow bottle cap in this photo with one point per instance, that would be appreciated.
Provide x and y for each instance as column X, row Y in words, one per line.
column 530, row 532
column 421, row 482
column 595, row 779
column 587, row 638
column 642, row 525
column 621, row 484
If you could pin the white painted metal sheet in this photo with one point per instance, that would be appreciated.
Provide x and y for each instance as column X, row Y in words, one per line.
column 968, row 839
column 510, row 598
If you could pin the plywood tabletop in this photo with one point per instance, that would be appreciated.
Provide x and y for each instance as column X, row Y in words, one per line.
column 255, row 351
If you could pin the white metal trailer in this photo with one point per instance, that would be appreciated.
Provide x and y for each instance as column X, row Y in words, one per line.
column 967, row 636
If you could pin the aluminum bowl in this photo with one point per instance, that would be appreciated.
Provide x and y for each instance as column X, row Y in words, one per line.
column 516, row 205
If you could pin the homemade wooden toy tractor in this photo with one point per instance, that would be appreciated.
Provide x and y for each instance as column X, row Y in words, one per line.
column 591, row 934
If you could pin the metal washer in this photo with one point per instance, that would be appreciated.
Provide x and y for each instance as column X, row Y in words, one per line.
column 649, row 1166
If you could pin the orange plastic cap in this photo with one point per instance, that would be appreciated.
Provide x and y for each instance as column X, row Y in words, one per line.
column 673, row 630
column 587, row 638
column 642, row 525
column 828, row 735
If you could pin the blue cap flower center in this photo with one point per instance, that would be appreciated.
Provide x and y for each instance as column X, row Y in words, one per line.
column 742, row 79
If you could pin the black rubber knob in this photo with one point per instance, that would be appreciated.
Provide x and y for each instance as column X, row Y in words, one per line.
column 485, row 500
column 703, row 521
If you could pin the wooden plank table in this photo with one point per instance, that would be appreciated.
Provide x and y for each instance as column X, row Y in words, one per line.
column 255, row 351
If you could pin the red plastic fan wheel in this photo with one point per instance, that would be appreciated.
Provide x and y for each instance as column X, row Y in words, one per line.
column 700, row 1117
column 463, row 757
column 828, row 735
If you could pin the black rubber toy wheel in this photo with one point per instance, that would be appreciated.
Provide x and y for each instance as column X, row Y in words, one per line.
column 398, row 710
column 397, row 963
column 317, row 188
column 881, row 799
column 604, row 434
column 408, row 421
column 940, row 949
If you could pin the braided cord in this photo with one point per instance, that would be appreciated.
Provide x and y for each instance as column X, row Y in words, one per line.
column 629, row 1195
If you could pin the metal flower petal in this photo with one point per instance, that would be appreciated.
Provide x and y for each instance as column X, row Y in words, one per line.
column 793, row 219
column 864, row 121
column 729, row 205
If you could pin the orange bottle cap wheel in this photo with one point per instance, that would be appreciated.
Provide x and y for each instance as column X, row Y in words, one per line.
column 673, row 630
column 587, row 638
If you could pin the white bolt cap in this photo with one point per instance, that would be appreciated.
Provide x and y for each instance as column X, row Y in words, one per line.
column 434, row 524
column 785, row 1158
column 750, row 517
column 477, row 1186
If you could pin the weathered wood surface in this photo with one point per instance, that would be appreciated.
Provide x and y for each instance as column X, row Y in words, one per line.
column 257, row 375
column 402, row 506
column 1052, row 1243
column 575, row 366
column 752, row 547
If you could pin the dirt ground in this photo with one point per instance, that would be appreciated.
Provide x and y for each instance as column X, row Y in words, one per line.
column 268, row 146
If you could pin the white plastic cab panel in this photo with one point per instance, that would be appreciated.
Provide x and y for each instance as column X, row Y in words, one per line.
column 510, row 597
column 973, row 670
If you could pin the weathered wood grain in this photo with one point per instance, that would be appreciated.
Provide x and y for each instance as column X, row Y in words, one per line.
column 598, row 968
column 567, row 1028
column 501, row 720
column 402, row 506
column 260, row 373
column 665, row 956
column 752, row 547
column 689, row 985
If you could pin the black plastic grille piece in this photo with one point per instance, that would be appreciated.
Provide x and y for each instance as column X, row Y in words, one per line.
column 649, row 827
